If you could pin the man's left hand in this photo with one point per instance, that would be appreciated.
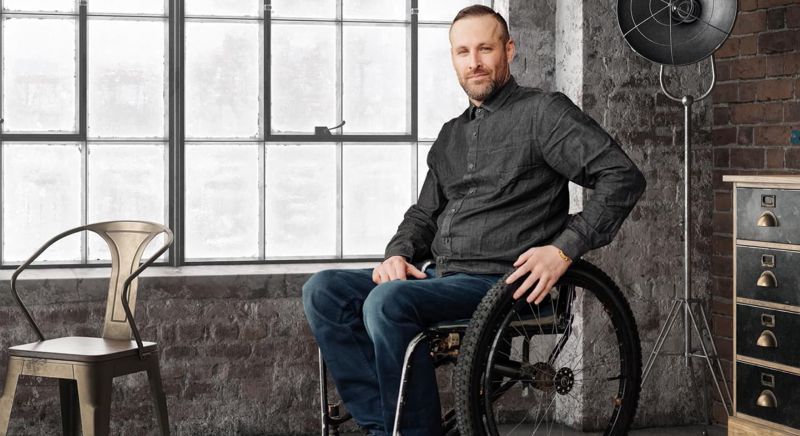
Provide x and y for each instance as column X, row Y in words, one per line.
column 545, row 266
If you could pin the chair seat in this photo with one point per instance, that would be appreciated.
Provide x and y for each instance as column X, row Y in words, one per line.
column 79, row 349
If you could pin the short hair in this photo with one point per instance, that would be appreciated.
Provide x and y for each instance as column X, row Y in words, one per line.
column 479, row 11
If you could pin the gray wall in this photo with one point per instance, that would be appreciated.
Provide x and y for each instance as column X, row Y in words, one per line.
column 620, row 90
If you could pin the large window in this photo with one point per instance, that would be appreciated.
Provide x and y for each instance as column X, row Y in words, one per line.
column 259, row 130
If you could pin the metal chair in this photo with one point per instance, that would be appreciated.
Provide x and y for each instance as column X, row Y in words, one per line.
column 86, row 366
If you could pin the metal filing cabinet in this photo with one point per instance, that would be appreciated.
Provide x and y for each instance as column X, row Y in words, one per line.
column 766, row 281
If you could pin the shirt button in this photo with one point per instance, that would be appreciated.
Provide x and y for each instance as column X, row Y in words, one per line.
column 471, row 190
column 471, row 166
column 475, row 135
column 452, row 210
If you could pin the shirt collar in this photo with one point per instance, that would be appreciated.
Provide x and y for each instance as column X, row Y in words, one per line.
column 496, row 100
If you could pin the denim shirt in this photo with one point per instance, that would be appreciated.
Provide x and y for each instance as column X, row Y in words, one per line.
column 497, row 185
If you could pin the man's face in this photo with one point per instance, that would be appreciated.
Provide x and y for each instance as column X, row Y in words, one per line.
column 480, row 56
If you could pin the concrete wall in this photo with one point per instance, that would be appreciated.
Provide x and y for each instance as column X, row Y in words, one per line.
column 593, row 65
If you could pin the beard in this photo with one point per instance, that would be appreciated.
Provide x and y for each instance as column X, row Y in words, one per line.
column 481, row 90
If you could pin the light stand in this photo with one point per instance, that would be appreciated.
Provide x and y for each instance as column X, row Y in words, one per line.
column 687, row 304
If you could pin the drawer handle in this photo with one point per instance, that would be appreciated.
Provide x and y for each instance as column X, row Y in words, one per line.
column 767, row 219
column 767, row 340
column 767, row 399
column 767, row 280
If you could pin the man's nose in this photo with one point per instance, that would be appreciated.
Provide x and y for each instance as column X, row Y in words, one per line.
column 474, row 61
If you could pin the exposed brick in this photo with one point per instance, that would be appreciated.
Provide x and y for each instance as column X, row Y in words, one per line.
column 722, row 306
column 770, row 3
column 722, row 201
column 723, row 70
column 775, row 158
column 750, row 68
column 777, row 89
column 750, row 22
column 721, row 245
column 723, row 325
column 792, row 158
column 752, row 157
column 791, row 111
column 748, row 45
column 748, row 91
column 793, row 17
column 721, row 158
column 772, row 135
column 776, row 18
column 722, row 286
column 756, row 113
column 748, row 5
column 729, row 49
column 724, row 136
column 721, row 265
column 778, row 42
column 726, row 93
column 783, row 64
column 744, row 136
column 722, row 116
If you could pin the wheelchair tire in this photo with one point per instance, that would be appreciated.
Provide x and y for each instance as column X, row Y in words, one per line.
column 538, row 379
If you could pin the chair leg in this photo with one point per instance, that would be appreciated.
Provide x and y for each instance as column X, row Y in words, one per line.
column 94, row 393
column 157, row 391
column 7, row 398
column 70, row 412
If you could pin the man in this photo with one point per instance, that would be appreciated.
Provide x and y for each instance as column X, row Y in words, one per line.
column 495, row 198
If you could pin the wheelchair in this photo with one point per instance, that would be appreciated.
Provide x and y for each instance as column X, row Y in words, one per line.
column 570, row 364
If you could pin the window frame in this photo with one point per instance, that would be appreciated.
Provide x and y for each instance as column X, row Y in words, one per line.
column 176, row 141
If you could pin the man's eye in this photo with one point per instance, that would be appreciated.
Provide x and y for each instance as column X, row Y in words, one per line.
column 486, row 49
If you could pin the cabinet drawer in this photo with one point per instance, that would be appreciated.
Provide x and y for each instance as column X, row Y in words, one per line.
column 768, row 334
column 771, row 215
column 768, row 274
column 768, row 394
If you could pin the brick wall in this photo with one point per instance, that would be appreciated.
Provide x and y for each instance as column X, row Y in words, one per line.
column 756, row 105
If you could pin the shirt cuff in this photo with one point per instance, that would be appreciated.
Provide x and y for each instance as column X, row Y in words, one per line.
column 571, row 243
column 397, row 250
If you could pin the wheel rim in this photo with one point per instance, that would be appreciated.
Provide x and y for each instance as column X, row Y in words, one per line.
column 555, row 373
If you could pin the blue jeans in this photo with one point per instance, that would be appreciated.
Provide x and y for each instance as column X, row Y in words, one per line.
column 363, row 330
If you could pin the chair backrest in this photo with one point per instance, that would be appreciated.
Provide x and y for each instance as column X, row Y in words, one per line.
column 126, row 241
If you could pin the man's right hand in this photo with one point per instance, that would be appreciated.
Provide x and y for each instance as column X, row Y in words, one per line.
column 395, row 268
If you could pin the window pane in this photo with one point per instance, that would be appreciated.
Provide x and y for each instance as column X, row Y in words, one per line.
column 437, row 10
column 301, row 200
column 422, row 163
column 40, row 75
column 303, row 77
column 127, row 90
column 440, row 96
column 155, row 7
column 40, row 5
column 377, row 192
column 230, row 8
column 41, row 198
column 223, row 80
column 376, row 9
column 376, row 79
column 125, row 182
column 222, row 201
column 304, row 9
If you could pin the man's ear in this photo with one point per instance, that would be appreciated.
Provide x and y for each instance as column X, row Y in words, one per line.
column 511, row 50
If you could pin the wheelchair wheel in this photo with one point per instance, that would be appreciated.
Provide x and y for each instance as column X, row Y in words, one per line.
column 572, row 363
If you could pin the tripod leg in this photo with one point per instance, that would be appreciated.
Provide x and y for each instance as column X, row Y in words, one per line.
column 662, row 337
column 706, row 356
column 716, row 355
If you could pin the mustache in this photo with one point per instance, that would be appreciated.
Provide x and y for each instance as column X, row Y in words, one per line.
column 478, row 72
